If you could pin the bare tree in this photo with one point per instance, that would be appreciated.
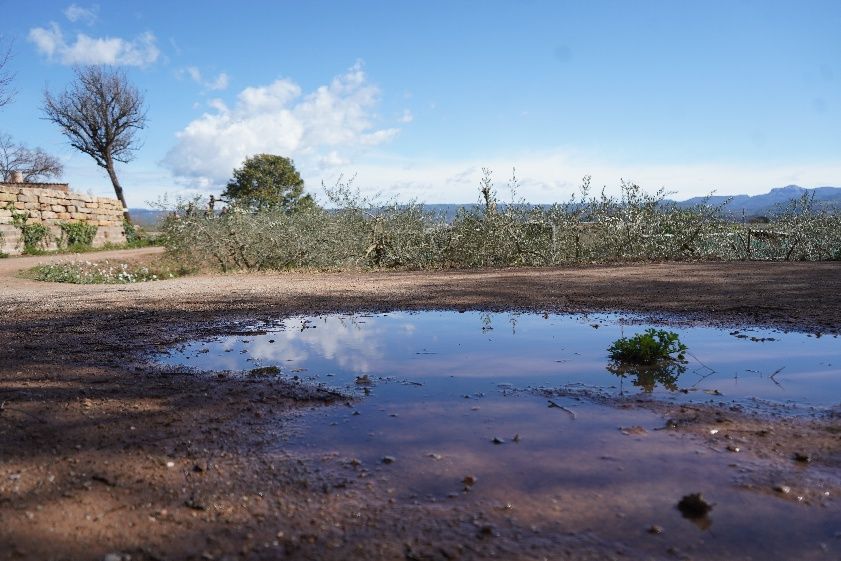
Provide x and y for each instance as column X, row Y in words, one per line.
column 100, row 114
column 33, row 163
column 7, row 94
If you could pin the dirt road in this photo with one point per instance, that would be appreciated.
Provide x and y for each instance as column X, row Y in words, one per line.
column 100, row 456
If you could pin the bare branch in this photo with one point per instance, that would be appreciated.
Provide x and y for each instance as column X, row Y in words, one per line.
column 7, row 94
column 34, row 164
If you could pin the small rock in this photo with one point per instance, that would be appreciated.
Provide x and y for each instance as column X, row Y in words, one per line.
column 802, row 457
column 634, row 430
column 732, row 448
column 389, row 459
column 435, row 456
column 497, row 440
column 116, row 557
column 469, row 480
column 516, row 438
column 487, row 531
column 784, row 489
column 265, row 371
column 194, row 504
column 170, row 464
column 693, row 505
column 655, row 529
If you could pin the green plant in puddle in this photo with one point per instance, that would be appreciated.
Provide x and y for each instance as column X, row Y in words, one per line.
column 649, row 347
column 651, row 357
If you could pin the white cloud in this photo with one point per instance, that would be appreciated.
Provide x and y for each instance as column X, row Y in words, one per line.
column 75, row 13
column 50, row 42
column 407, row 116
column 322, row 129
column 221, row 81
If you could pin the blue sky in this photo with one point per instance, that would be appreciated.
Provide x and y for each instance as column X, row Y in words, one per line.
column 414, row 98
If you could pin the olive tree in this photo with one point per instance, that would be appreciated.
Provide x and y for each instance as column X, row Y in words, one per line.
column 100, row 113
column 268, row 181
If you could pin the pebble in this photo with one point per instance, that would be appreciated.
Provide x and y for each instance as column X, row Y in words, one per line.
column 469, row 480
column 389, row 459
column 497, row 440
column 784, row 489
column 802, row 457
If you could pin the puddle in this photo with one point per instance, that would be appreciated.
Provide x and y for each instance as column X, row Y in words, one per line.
column 472, row 352
column 445, row 398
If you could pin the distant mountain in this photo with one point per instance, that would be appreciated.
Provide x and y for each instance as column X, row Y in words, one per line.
column 146, row 217
column 751, row 205
column 773, row 201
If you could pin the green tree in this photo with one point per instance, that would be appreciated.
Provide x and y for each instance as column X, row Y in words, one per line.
column 268, row 181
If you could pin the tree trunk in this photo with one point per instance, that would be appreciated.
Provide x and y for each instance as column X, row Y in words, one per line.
column 118, row 189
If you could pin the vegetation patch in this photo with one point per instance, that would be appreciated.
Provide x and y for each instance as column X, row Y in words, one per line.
column 77, row 234
column 33, row 235
column 649, row 358
column 104, row 272
column 355, row 232
column 650, row 347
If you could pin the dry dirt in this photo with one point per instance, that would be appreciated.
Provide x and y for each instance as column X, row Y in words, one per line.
column 102, row 458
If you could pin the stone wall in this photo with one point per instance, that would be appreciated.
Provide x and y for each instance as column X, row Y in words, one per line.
column 52, row 206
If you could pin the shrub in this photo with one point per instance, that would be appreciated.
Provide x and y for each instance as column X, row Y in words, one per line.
column 78, row 234
column 649, row 347
column 34, row 236
column 131, row 231
column 366, row 233
column 648, row 359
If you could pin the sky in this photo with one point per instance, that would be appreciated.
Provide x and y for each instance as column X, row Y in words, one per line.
column 413, row 99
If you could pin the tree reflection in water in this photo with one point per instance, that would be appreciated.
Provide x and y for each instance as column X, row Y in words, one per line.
column 647, row 376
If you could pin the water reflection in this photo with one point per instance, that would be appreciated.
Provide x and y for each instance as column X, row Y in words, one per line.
column 646, row 377
column 529, row 349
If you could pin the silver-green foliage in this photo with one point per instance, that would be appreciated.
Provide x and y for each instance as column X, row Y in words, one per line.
column 365, row 233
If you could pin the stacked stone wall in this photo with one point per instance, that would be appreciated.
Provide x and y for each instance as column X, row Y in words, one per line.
column 51, row 207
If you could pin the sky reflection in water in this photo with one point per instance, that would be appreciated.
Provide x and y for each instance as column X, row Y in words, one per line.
column 472, row 352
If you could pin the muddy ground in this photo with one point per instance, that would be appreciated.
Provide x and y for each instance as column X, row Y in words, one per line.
column 104, row 458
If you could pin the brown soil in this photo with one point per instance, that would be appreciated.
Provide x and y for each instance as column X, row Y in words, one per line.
column 101, row 455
